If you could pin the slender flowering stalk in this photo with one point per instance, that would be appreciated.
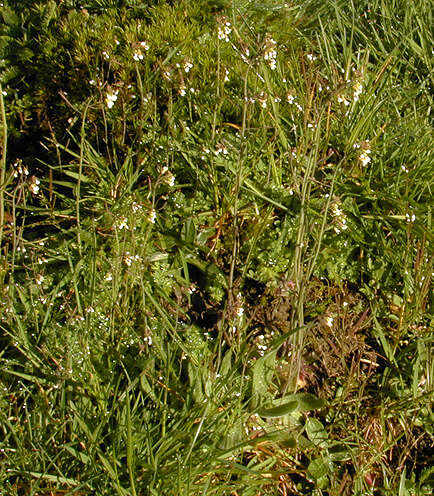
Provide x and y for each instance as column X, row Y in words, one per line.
column 3, row 162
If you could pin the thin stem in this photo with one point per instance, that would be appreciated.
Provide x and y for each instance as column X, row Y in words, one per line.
column 2, row 163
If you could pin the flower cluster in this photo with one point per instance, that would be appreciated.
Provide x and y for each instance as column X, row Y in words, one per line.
column 238, row 307
column 291, row 98
column 123, row 223
column 365, row 151
column 111, row 97
column 221, row 148
column 339, row 218
column 224, row 29
column 262, row 99
column 409, row 217
column 20, row 169
column 34, row 185
column 188, row 64
column 270, row 53
column 167, row 176
column 357, row 90
column 152, row 216
column 129, row 259
column 138, row 50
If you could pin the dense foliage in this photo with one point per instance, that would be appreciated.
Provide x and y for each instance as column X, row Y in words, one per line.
column 216, row 247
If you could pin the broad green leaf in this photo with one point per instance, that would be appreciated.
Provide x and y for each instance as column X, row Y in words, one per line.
column 305, row 401
column 315, row 432
column 339, row 452
column 278, row 411
column 263, row 371
column 320, row 467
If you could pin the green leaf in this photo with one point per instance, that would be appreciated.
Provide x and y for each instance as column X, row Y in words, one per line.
column 10, row 18
column 315, row 432
column 338, row 452
column 278, row 411
column 305, row 401
column 263, row 371
column 319, row 468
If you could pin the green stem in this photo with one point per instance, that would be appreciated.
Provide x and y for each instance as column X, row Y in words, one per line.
column 3, row 163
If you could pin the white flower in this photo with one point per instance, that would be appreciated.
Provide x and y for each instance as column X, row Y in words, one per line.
column 138, row 55
column 111, row 97
column 39, row 279
column 152, row 216
column 342, row 99
column 123, row 223
column 364, row 157
column 329, row 321
column 224, row 30
column 221, row 149
column 410, row 217
column 262, row 99
column 270, row 54
column 358, row 89
column 34, row 185
column 136, row 207
column 187, row 66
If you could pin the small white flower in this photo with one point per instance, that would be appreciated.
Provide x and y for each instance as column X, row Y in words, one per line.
column 105, row 55
column 108, row 277
column 224, row 30
column 128, row 259
column 34, row 188
column 39, row 279
column 152, row 216
column 344, row 100
column 358, row 89
column 144, row 45
column 311, row 57
column 123, row 223
column 136, row 207
column 329, row 321
column 111, row 97
column 221, row 149
column 364, row 157
column 262, row 99
column 137, row 55
column 410, row 217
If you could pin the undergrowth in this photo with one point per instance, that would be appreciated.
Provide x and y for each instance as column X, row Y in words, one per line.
column 216, row 247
